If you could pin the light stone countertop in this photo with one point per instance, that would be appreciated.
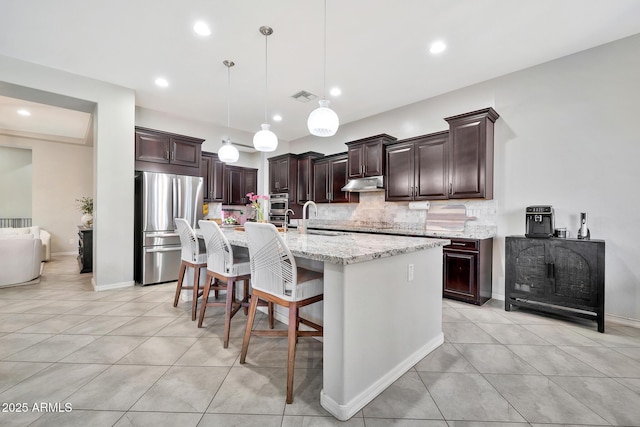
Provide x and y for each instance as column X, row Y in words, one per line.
column 345, row 248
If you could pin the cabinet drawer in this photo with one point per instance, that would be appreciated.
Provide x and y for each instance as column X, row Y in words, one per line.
column 463, row 245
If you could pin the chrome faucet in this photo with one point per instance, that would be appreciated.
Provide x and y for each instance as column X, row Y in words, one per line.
column 303, row 228
column 285, row 224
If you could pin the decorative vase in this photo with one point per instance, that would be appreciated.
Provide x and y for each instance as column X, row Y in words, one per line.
column 87, row 220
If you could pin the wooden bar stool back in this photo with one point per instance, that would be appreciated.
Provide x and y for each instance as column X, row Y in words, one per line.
column 276, row 278
column 191, row 258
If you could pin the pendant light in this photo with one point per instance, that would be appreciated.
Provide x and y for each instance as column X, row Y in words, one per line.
column 228, row 153
column 265, row 140
column 323, row 121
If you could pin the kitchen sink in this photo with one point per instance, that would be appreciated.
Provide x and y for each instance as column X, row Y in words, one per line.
column 326, row 233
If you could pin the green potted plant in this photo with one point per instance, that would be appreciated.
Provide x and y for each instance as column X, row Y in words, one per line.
column 85, row 204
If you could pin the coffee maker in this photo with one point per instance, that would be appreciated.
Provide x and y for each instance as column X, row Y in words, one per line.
column 539, row 222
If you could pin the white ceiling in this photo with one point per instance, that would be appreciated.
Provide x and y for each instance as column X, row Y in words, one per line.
column 377, row 50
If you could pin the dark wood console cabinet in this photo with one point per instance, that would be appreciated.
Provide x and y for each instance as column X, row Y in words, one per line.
column 85, row 249
column 559, row 276
column 467, row 270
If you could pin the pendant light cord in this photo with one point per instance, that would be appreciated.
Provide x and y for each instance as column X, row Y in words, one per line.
column 229, row 103
column 324, row 78
column 266, row 57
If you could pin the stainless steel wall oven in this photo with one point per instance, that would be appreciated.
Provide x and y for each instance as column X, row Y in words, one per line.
column 278, row 205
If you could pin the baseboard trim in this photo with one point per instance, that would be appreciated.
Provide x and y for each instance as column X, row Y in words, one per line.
column 613, row 318
column 499, row 297
column 619, row 320
column 344, row 412
column 111, row 286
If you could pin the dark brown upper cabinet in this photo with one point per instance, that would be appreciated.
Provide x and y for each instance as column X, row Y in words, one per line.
column 416, row 168
column 211, row 172
column 305, row 176
column 471, row 154
column 283, row 175
column 330, row 174
column 366, row 156
column 239, row 181
column 158, row 151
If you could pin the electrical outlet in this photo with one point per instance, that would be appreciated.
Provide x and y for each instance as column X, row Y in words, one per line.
column 410, row 272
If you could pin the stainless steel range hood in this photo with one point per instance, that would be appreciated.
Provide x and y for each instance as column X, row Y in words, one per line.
column 360, row 185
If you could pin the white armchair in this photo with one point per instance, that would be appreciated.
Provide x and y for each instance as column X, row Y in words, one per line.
column 36, row 233
column 20, row 259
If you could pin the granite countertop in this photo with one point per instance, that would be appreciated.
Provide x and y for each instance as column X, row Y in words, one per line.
column 345, row 248
column 471, row 231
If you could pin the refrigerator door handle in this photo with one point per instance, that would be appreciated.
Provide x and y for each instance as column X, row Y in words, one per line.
column 162, row 235
column 175, row 199
column 170, row 249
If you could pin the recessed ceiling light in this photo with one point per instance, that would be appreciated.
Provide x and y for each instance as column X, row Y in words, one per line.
column 437, row 47
column 162, row 82
column 201, row 28
column 277, row 118
column 336, row 91
column 24, row 112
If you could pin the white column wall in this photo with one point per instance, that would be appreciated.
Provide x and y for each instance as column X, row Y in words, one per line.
column 113, row 161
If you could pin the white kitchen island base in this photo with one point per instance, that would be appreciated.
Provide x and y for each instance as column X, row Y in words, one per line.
column 377, row 325
column 381, row 313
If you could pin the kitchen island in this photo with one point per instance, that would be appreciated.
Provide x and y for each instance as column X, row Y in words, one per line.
column 382, row 308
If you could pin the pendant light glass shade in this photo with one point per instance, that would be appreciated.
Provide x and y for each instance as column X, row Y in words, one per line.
column 323, row 121
column 228, row 153
column 265, row 140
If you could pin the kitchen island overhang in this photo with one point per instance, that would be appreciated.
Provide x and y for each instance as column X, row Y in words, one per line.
column 379, row 317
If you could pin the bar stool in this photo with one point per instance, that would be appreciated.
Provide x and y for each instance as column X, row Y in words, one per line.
column 276, row 278
column 191, row 258
column 225, row 267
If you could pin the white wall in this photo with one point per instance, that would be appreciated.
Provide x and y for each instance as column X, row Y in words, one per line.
column 61, row 173
column 15, row 181
column 567, row 136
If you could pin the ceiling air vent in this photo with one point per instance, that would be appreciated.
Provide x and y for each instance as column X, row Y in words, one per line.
column 304, row 96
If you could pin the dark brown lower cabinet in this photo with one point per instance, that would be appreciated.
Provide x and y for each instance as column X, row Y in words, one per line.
column 558, row 276
column 467, row 270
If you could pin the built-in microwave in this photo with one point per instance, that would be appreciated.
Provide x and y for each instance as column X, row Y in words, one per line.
column 278, row 204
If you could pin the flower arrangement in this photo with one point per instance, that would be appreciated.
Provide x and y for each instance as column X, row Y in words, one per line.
column 230, row 218
column 85, row 205
column 255, row 203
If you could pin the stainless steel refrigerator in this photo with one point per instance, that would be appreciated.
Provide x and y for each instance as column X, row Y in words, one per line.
column 159, row 199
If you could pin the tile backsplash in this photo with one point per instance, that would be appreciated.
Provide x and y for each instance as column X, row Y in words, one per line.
column 373, row 209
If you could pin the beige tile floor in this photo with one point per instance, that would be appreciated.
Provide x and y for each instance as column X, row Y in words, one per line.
column 128, row 358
